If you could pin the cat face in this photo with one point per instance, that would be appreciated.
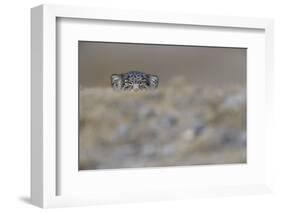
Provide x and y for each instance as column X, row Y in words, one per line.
column 134, row 81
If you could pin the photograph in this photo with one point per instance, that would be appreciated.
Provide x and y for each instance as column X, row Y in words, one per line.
column 147, row 105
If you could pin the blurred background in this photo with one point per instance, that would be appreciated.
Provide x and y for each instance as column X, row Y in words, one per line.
column 197, row 116
column 202, row 66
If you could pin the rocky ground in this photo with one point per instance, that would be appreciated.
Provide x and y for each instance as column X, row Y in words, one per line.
column 175, row 125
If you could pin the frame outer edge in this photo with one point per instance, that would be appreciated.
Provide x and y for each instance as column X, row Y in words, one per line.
column 150, row 16
column 37, row 106
column 270, row 110
column 49, row 106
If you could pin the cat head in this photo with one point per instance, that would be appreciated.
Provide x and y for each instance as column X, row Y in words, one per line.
column 134, row 81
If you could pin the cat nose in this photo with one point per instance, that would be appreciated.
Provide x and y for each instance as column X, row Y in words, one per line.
column 135, row 87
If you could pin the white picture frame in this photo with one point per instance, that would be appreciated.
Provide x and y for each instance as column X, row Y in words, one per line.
column 49, row 185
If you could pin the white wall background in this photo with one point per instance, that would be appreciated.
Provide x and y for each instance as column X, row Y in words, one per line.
column 15, row 99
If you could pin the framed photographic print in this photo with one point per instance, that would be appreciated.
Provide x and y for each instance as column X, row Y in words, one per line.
column 130, row 106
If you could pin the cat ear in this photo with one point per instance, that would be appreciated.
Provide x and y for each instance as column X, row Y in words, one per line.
column 153, row 81
column 116, row 81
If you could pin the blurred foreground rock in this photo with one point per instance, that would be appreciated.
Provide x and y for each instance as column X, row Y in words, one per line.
column 173, row 126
